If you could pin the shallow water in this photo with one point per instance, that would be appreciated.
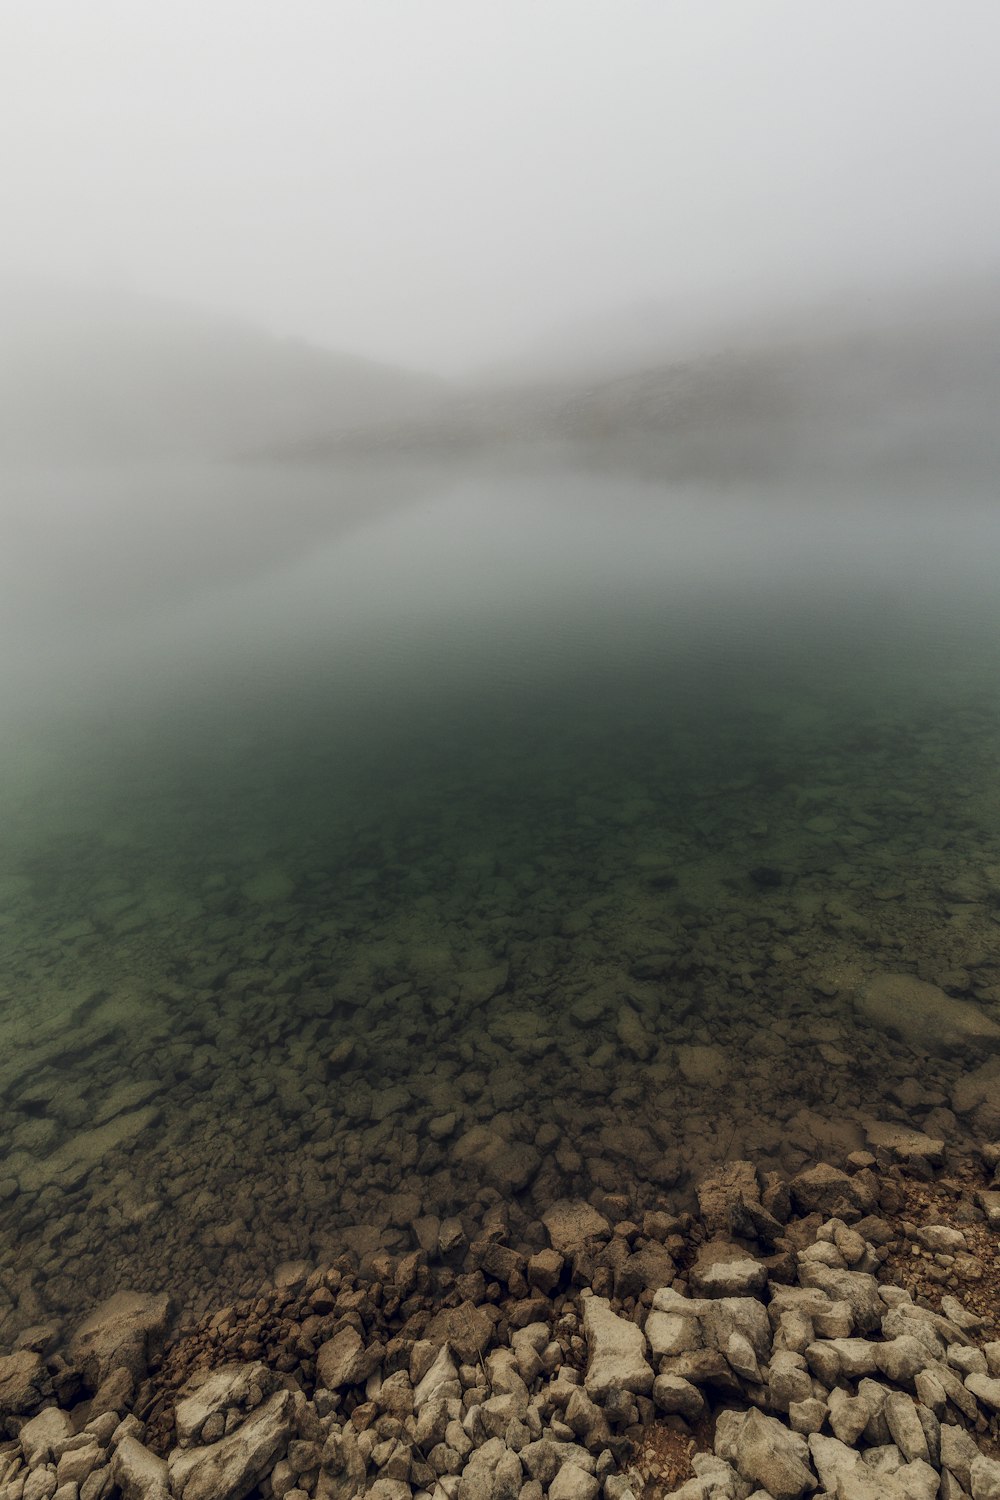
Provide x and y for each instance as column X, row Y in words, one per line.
column 378, row 845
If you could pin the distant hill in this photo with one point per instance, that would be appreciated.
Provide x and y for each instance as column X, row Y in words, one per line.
column 906, row 389
column 916, row 398
column 114, row 376
column 912, row 389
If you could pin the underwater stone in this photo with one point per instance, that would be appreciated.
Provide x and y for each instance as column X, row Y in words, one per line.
column 923, row 1015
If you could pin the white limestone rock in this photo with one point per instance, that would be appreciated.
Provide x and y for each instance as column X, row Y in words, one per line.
column 771, row 1456
column 232, row 1390
column 616, row 1352
column 229, row 1469
column 139, row 1474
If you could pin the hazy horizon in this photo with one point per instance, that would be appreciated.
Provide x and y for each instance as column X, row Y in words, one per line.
column 499, row 646
column 444, row 187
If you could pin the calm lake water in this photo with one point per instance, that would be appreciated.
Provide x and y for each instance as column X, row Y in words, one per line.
column 382, row 846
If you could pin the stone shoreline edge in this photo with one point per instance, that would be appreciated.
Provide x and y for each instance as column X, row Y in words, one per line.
column 830, row 1336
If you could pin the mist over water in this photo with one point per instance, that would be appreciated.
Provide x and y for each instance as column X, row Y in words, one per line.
column 526, row 831
column 499, row 645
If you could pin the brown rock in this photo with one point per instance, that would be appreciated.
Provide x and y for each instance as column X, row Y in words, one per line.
column 924, row 1016
column 545, row 1269
column 826, row 1190
column 721, row 1269
column 504, row 1264
column 702, row 1367
column 571, row 1222
column 24, row 1384
column 139, row 1474
column 646, row 1269
column 467, row 1328
column 123, row 1333
column 902, row 1144
column 346, row 1360
column 115, row 1393
column 229, row 1469
column 721, row 1191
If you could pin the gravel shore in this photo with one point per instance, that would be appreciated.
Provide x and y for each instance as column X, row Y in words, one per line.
column 832, row 1334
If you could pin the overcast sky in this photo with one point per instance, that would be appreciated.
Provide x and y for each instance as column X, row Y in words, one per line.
column 443, row 181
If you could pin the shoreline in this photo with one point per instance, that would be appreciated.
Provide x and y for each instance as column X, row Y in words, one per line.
column 831, row 1333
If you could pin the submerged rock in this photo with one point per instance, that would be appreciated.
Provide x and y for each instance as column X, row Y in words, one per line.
column 827, row 1190
column 924, row 1016
column 571, row 1223
column 77, row 1157
column 903, row 1143
column 123, row 1333
column 978, row 1093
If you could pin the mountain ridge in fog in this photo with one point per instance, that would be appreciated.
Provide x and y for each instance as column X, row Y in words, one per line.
column 907, row 386
column 895, row 386
column 98, row 375
column 903, row 388
column 646, row 333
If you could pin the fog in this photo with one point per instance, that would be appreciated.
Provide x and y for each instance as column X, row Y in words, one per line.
column 761, row 236
column 446, row 185
column 274, row 277
column 499, row 660
column 378, row 375
column 737, row 244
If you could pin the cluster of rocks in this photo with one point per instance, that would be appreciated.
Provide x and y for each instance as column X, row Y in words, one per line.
column 367, row 1123
column 654, row 950
column 769, row 1343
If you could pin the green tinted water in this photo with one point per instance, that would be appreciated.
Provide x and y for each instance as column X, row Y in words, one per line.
column 377, row 849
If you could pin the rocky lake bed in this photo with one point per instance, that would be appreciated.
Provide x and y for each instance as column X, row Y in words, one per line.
column 563, row 1062
column 604, row 1239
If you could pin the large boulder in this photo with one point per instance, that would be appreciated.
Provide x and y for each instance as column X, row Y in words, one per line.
column 222, row 1400
column 616, row 1352
column 24, row 1385
column 230, row 1468
column 769, row 1455
column 923, row 1016
column 123, row 1333
column 139, row 1474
